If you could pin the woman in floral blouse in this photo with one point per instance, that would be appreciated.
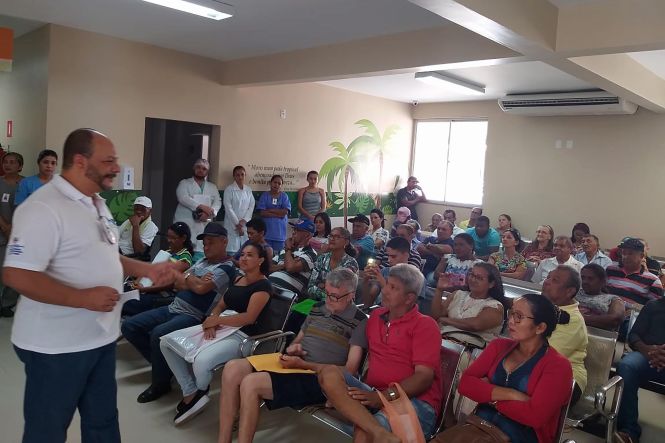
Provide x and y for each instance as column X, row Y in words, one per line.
column 510, row 263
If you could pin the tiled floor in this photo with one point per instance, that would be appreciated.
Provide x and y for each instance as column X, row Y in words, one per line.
column 152, row 423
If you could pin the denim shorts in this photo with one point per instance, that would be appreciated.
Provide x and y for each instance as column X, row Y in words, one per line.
column 425, row 412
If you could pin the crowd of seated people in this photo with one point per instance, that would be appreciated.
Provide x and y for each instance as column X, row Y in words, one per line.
column 447, row 284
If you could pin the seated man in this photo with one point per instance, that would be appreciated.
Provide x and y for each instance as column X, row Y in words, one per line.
column 374, row 279
column 435, row 247
column 571, row 339
column 451, row 216
column 361, row 240
column 136, row 234
column 647, row 339
column 197, row 291
column 563, row 247
column 591, row 252
column 332, row 335
column 407, row 233
column 486, row 239
column 473, row 218
column 404, row 346
column 291, row 269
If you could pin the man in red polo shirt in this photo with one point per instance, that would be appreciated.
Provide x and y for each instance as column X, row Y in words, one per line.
column 404, row 347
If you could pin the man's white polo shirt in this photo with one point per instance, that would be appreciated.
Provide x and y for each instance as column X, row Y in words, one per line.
column 59, row 231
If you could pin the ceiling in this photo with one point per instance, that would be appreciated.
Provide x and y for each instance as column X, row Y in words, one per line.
column 499, row 80
column 19, row 25
column 259, row 27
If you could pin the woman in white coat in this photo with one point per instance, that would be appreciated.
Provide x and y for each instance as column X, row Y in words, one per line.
column 238, row 209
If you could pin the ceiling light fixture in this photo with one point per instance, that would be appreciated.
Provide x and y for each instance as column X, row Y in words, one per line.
column 204, row 8
column 438, row 79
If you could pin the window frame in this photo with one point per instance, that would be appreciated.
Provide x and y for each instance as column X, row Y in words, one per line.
column 451, row 121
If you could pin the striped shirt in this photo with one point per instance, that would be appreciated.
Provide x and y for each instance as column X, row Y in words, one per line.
column 638, row 287
column 294, row 281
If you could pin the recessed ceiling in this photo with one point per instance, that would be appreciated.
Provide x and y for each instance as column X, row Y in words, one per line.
column 18, row 25
column 259, row 27
column 499, row 80
column 652, row 60
column 566, row 3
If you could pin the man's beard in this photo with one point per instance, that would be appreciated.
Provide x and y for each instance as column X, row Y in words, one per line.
column 94, row 175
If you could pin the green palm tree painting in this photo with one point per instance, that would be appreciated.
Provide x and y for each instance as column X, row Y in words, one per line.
column 344, row 167
column 379, row 147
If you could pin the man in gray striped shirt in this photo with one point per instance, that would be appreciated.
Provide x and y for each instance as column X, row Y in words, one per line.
column 292, row 267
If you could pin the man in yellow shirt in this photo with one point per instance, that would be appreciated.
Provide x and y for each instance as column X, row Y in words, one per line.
column 570, row 340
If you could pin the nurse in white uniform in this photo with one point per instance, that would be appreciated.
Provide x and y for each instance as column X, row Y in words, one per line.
column 238, row 209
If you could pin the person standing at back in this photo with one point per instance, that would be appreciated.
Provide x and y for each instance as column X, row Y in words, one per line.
column 410, row 196
column 311, row 198
column 238, row 210
column 47, row 160
column 63, row 258
column 198, row 202
column 12, row 163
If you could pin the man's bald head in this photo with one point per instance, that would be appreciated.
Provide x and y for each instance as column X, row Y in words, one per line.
column 79, row 141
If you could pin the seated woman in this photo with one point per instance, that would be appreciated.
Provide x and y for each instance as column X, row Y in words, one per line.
column 478, row 310
column 599, row 309
column 541, row 247
column 340, row 255
column 457, row 265
column 379, row 234
column 505, row 223
column 510, row 263
column 248, row 295
column 576, row 236
column 319, row 241
column 522, row 383
column 179, row 238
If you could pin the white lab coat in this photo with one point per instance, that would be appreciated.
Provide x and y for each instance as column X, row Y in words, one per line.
column 238, row 205
column 190, row 195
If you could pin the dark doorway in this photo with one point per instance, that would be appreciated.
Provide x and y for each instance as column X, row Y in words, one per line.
column 171, row 148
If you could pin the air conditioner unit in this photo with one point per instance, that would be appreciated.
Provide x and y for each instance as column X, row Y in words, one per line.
column 567, row 103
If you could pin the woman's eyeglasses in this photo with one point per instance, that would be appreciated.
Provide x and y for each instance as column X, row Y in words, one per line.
column 517, row 316
column 335, row 237
column 338, row 297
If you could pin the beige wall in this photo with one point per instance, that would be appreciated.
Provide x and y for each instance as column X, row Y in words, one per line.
column 23, row 97
column 113, row 85
column 316, row 115
column 611, row 179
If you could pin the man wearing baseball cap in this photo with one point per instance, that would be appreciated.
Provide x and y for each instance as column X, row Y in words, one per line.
column 198, row 202
column 292, row 267
column 137, row 233
column 361, row 240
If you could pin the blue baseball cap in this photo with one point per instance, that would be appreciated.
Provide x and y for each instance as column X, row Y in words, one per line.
column 304, row 225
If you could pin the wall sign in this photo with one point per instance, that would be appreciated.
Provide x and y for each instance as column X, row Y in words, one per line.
column 10, row 128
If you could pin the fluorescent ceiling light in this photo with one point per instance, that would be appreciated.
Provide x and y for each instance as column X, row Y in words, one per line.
column 439, row 79
column 204, row 8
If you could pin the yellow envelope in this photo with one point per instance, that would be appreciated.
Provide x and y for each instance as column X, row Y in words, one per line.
column 270, row 363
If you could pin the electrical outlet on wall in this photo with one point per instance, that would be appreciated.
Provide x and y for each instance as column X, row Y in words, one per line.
column 282, row 114
column 569, row 144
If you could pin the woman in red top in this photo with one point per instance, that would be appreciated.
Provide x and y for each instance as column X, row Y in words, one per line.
column 522, row 383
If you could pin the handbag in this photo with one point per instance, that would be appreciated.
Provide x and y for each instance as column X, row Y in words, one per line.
column 402, row 417
column 475, row 430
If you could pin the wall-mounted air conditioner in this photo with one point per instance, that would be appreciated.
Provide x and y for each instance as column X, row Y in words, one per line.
column 567, row 103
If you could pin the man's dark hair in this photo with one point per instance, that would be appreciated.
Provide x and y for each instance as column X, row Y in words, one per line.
column 78, row 142
column 46, row 153
column 257, row 224
column 483, row 219
column 399, row 244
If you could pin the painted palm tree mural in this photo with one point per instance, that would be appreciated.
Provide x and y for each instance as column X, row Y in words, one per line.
column 350, row 160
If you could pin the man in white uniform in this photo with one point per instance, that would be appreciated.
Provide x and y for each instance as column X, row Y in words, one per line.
column 63, row 258
column 198, row 202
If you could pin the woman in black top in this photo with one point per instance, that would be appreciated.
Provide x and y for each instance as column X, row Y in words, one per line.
column 248, row 296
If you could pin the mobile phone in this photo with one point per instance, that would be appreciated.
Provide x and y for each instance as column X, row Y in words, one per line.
column 371, row 261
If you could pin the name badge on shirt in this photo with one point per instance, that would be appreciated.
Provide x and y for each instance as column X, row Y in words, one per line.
column 5, row 198
column 274, row 201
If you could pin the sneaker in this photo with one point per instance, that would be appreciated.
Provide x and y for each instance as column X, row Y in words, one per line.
column 191, row 409
column 153, row 393
column 6, row 312
column 182, row 403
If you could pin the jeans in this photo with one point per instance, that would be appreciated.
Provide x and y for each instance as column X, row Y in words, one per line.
column 197, row 376
column 144, row 330
column 57, row 384
column 425, row 412
column 635, row 370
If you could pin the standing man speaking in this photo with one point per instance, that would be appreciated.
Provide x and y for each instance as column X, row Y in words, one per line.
column 63, row 259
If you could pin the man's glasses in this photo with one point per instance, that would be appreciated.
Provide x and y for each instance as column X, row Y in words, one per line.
column 338, row 297
column 517, row 316
column 106, row 226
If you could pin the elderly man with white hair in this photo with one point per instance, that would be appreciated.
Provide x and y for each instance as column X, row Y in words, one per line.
column 198, row 202
column 562, row 249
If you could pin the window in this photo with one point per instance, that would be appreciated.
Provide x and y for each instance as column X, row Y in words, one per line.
column 449, row 159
